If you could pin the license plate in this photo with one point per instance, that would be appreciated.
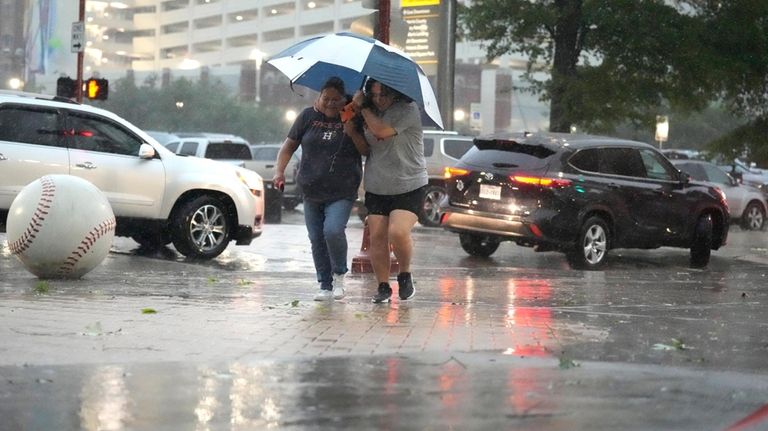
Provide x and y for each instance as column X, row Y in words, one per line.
column 488, row 191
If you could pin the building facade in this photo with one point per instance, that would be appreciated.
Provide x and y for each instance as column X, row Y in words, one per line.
column 231, row 40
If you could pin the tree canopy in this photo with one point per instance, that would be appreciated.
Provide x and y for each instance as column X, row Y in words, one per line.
column 616, row 61
column 192, row 106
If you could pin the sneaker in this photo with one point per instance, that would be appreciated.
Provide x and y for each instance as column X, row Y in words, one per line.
column 405, row 285
column 323, row 295
column 338, row 286
column 385, row 292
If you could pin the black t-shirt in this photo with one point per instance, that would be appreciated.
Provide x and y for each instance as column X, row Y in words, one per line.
column 331, row 168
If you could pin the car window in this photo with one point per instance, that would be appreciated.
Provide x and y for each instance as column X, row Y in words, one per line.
column 31, row 126
column 492, row 152
column 716, row 175
column 656, row 166
column 621, row 161
column 267, row 153
column 585, row 160
column 98, row 134
column 189, row 148
column 173, row 146
column 695, row 170
column 228, row 150
column 429, row 146
column 456, row 148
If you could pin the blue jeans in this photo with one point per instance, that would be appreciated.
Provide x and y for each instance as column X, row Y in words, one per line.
column 326, row 225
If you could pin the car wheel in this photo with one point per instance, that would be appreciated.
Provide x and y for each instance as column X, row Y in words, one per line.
column 201, row 228
column 290, row 204
column 479, row 245
column 591, row 248
column 702, row 242
column 273, row 205
column 151, row 240
column 430, row 206
column 753, row 217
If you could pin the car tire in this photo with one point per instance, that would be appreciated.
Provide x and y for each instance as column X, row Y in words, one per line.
column 273, row 205
column 701, row 248
column 479, row 245
column 152, row 239
column 201, row 228
column 429, row 214
column 753, row 217
column 290, row 204
column 591, row 248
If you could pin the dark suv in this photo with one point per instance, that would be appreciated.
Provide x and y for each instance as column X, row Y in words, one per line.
column 582, row 195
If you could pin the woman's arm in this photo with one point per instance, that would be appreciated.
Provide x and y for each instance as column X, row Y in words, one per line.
column 283, row 157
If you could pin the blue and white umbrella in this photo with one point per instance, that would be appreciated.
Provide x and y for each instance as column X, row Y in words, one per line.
column 353, row 58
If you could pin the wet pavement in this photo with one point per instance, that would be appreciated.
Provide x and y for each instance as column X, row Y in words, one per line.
column 149, row 341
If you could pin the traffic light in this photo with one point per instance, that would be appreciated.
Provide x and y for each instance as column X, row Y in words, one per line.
column 65, row 87
column 97, row 89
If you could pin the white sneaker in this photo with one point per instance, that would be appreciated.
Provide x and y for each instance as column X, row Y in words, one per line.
column 338, row 286
column 323, row 295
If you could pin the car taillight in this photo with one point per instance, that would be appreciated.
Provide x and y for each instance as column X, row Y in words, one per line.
column 541, row 181
column 450, row 172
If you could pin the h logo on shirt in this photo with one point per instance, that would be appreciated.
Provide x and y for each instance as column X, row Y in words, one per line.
column 327, row 136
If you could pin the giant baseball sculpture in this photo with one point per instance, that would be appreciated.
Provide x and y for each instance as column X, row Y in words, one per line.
column 60, row 226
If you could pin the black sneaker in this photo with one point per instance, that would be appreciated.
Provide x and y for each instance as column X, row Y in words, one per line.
column 385, row 292
column 405, row 285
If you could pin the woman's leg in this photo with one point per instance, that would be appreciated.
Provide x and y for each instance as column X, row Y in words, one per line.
column 401, row 223
column 378, row 227
column 334, row 231
column 314, row 218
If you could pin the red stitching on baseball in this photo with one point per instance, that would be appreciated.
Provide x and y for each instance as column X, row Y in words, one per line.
column 90, row 238
column 25, row 240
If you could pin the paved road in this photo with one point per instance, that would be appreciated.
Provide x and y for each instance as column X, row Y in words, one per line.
column 518, row 341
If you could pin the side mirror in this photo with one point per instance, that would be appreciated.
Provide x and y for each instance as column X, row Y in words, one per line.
column 685, row 177
column 146, row 151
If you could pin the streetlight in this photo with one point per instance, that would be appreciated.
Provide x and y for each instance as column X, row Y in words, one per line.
column 662, row 129
column 15, row 83
column 258, row 56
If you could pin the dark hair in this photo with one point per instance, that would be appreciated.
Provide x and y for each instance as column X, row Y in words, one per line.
column 386, row 90
column 336, row 83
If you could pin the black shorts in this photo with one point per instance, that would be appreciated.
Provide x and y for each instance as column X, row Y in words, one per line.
column 385, row 204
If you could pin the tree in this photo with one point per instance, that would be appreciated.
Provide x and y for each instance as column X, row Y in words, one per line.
column 609, row 61
column 192, row 106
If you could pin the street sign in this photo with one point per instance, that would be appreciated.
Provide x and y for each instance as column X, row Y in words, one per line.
column 78, row 36
column 475, row 120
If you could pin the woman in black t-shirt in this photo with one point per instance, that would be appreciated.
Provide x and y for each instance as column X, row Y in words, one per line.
column 329, row 175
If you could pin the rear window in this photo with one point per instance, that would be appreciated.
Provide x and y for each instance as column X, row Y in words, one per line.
column 509, row 153
column 456, row 148
column 228, row 150
column 266, row 153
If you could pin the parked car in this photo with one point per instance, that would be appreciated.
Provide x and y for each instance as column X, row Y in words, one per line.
column 747, row 204
column 162, row 137
column 441, row 149
column 264, row 160
column 230, row 149
column 157, row 197
column 582, row 195
column 745, row 174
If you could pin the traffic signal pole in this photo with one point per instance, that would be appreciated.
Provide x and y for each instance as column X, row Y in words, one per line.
column 79, row 81
column 384, row 12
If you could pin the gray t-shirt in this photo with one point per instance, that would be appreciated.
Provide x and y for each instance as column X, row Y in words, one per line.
column 397, row 165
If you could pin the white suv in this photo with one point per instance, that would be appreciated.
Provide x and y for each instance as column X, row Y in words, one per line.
column 198, row 204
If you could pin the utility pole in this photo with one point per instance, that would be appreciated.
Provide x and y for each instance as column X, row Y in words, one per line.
column 384, row 11
column 446, row 61
column 79, row 81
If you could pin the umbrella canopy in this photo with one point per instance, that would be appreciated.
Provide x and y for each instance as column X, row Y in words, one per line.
column 353, row 58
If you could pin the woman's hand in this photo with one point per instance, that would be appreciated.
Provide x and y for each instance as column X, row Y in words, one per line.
column 278, row 180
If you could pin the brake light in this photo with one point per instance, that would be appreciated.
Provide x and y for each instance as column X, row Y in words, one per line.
column 541, row 181
column 449, row 172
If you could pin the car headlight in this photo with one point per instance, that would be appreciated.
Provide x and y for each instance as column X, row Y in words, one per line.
column 251, row 180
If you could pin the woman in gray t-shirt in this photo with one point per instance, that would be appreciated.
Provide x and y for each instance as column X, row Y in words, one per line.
column 395, row 175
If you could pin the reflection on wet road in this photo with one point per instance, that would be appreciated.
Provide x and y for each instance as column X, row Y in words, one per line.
column 517, row 341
